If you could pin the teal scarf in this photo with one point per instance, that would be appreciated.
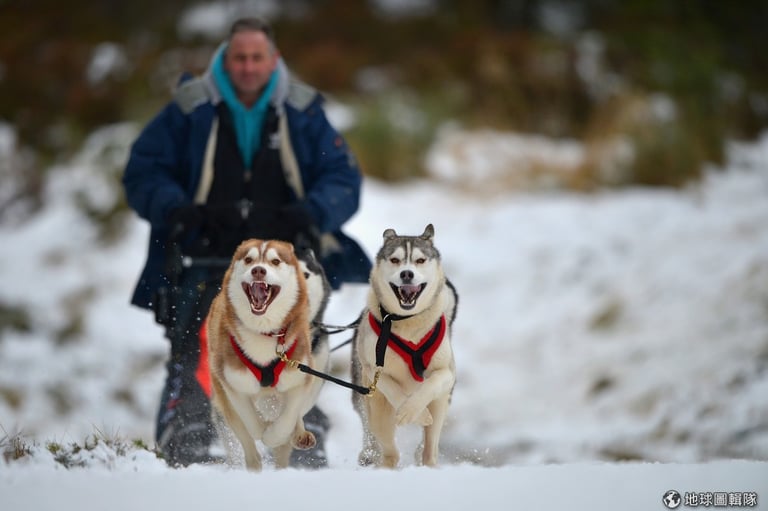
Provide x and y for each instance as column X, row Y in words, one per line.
column 248, row 121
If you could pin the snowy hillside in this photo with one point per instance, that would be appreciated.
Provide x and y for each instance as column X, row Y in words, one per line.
column 622, row 325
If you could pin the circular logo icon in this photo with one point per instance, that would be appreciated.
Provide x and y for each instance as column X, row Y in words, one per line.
column 672, row 499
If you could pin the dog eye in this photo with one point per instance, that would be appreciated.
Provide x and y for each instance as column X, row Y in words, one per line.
column 275, row 262
column 421, row 260
column 306, row 274
column 248, row 260
column 394, row 260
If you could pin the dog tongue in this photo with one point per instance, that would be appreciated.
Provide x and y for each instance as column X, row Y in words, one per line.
column 260, row 294
column 408, row 292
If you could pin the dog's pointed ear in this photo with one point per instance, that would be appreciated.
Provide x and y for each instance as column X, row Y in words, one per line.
column 429, row 232
column 389, row 234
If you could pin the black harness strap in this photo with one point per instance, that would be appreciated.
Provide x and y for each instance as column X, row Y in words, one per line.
column 268, row 373
column 386, row 330
column 417, row 359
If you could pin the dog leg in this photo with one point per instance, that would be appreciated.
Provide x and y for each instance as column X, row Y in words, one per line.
column 282, row 455
column 371, row 452
column 234, row 451
column 439, row 383
column 439, row 409
column 232, row 414
column 382, row 425
column 397, row 397
column 301, row 439
column 250, row 451
column 412, row 412
column 288, row 427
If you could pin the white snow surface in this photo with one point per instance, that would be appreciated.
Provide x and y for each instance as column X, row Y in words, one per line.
column 610, row 347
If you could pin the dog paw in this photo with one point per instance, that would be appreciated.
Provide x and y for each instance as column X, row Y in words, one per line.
column 408, row 415
column 274, row 436
column 304, row 440
column 368, row 458
column 390, row 460
column 425, row 419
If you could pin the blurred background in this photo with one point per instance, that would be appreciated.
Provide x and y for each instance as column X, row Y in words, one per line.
column 507, row 103
column 671, row 79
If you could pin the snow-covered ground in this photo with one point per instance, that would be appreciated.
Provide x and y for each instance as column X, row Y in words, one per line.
column 146, row 484
column 626, row 325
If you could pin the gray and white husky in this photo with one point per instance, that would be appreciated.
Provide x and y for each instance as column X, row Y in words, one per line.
column 318, row 295
column 411, row 297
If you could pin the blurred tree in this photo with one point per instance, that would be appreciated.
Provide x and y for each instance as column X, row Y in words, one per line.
column 505, row 63
column 45, row 49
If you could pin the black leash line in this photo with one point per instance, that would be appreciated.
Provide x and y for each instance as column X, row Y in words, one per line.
column 348, row 341
column 327, row 329
column 335, row 329
column 357, row 388
column 381, row 350
column 308, row 370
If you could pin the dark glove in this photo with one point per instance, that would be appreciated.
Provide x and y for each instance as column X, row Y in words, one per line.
column 182, row 223
column 222, row 229
column 261, row 222
column 282, row 223
column 185, row 219
column 294, row 224
column 203, row 230
column 294, row 218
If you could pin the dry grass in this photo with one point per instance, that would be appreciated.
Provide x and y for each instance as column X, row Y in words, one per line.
column 641, row 139
column 100, row 448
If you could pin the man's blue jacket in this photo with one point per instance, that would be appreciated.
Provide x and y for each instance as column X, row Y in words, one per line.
column 166, row 161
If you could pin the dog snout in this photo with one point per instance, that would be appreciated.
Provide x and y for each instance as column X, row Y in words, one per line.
column 406, row 276
column 259, row 272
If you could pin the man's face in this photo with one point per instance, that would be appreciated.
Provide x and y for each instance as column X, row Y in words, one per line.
column 249, row 62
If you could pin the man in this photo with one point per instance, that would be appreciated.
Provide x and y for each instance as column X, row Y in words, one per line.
column 242, row 151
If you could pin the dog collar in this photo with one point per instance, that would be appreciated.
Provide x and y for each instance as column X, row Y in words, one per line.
column 267, row 375
column 278, row 333
column 417, row 356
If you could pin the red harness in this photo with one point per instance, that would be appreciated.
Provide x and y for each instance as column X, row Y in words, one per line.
column 417, row 356
column 267, row 375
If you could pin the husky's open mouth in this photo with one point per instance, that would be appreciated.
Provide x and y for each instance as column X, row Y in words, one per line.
column 407, row 294
column 260, row 295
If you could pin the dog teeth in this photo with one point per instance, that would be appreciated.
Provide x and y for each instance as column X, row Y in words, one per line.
column 261, row 291
column 260, row 295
